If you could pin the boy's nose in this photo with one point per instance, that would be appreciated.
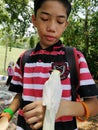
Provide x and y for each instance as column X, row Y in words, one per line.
column 51, row 27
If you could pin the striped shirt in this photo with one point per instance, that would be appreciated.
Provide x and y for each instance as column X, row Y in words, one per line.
column 37, row 71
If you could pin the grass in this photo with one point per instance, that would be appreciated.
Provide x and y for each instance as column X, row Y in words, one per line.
column 11, row 56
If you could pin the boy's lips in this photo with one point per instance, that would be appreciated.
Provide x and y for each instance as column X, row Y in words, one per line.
column 50, row 38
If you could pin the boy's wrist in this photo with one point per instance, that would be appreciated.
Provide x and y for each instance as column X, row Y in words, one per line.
column 87, row 112
column 10, row 111
column 6, row 115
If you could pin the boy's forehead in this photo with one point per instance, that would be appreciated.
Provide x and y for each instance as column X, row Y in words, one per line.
column 51, row 2
column 53, row 8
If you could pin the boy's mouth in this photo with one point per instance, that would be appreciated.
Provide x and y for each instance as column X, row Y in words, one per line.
column 50, row 38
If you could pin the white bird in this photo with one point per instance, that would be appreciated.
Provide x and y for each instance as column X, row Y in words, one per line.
column 52, row 92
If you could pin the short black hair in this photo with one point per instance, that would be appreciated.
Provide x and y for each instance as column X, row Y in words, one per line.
column 66, row 3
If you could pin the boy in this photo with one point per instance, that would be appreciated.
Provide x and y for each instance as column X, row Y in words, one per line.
column 50, row 19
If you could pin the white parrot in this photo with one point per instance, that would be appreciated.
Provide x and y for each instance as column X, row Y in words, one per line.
column 52, row 92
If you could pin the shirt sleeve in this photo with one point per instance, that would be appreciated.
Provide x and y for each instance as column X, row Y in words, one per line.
column 87, row 86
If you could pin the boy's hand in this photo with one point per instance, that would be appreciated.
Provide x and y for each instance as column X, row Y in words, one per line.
column 34, row 114
column 4, row 123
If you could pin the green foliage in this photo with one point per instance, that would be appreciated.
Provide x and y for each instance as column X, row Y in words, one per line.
column 82, row 31
column 92, row 59
column 33, row 40
column 92, row 55
column 19, row 13
column 4, row 16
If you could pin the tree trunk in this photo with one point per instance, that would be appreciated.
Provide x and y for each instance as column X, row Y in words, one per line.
column 86, row 32
column 6, row 50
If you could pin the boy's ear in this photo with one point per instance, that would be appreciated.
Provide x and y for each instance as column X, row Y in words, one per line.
column 34, row 20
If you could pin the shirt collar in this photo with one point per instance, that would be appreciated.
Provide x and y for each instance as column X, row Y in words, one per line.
column 56, row 46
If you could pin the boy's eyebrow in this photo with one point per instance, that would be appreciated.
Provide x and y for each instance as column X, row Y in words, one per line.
column 61, row 16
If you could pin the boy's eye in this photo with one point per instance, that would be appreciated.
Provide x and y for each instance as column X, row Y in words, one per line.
column 44, row 19
column 60, row 22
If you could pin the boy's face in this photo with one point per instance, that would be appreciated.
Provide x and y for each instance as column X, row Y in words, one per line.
column 50, row 21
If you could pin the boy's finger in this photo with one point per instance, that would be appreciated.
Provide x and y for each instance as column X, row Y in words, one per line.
column 29, row 107
column 36, row 125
